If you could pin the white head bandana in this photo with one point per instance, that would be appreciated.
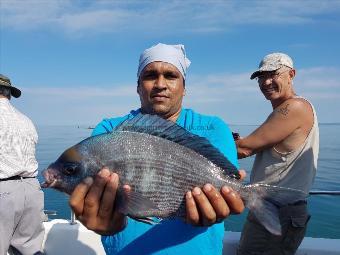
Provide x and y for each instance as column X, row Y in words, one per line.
column 172, row 54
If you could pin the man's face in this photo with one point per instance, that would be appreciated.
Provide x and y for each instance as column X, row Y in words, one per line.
column 276, row 84
column 161, row 89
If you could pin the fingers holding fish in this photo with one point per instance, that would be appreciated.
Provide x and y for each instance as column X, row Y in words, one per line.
column 206, row 211
column 93, row 197
column 217, row 202
column 233, row 200
column 199, row 212
column 209, row 206
column 93, row 203
column 89, row 216
column 243, row 174
column 78, row 196
column 108, row 198
column 110, row 221
column 192, row 214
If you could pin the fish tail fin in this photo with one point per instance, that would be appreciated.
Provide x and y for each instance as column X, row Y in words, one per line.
column 264, row 201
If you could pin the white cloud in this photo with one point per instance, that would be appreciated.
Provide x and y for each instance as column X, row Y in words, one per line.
column 32, row 13
column 322, row 82
column 219, row 87
column 102, row 20
column 234, row 97
column 319, row 78
column 322, row 96
column 237, row 99
column 86, row 17
column 81, row 92
column 76, row 105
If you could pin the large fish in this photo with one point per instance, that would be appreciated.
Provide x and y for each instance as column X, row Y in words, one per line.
column 161, row 161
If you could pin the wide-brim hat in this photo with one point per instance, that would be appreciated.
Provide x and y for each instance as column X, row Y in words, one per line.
column 273, row 62
column 5, row 81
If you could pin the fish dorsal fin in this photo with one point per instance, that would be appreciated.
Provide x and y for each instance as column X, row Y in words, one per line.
column 156, row 126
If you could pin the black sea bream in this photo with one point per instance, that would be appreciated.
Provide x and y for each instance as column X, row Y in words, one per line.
column 161, row 161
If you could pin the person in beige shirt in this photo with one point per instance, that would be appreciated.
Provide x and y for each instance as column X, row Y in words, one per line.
column 286, row 147
column 21, row 198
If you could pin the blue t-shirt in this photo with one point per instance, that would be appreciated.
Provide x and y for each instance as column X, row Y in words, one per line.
column 174, row 237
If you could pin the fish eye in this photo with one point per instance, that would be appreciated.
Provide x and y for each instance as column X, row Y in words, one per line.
column 70, row 169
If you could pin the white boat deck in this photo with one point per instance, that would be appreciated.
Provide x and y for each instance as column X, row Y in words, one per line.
column 63, row 238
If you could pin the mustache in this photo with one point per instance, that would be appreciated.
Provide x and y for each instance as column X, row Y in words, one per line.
column 159, row 94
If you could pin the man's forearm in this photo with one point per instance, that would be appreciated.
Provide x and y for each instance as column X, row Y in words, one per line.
column 242, row 150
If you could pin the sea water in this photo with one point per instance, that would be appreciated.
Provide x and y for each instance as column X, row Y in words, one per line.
column 325, row 220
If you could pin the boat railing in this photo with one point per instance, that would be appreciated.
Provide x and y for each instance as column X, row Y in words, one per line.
column 73, row 221
column 49, row 213
column 325, row 192
column 73, row 218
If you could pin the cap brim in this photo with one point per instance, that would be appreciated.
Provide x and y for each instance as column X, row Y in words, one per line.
column 259, row 72
column 15, row 92
column 255, row 74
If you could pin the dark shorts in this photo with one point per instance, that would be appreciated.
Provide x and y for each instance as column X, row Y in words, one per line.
column 255, row 239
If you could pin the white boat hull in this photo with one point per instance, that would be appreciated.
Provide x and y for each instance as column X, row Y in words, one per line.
column 63, row 238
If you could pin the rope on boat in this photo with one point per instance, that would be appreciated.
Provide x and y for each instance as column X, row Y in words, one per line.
column 325, row 192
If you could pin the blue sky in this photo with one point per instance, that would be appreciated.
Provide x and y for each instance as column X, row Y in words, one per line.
column 76, row 61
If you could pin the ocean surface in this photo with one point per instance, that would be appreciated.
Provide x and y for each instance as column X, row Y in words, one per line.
column 325, row 220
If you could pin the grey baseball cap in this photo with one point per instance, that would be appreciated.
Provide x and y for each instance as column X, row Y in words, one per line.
column 272, row 62
column 5, row 81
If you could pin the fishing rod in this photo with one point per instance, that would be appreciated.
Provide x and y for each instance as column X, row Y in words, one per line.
column 325, row 192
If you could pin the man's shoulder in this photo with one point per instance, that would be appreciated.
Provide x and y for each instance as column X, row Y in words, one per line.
column 203, row 124
column 18, row 120
column 296, row 107
column 301, row 103
column 215, row 130
column 199, row 117
column 23, row 118
column 108, row 124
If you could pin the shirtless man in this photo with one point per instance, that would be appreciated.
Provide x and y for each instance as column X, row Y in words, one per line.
column 286, row 147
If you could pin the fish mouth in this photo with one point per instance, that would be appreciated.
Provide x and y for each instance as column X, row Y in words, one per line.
column 46, row 184
column 51, row 178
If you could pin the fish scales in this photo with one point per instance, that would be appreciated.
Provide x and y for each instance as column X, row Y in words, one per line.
column 177, row 168
column 161, row 166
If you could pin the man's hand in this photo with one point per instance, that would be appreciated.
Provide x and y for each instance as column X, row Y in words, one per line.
column 209, row 206
column 236, row 136
column 93, row 203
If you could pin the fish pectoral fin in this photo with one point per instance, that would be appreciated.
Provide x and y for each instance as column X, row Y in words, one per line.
column 128, row 203
column 147, row 220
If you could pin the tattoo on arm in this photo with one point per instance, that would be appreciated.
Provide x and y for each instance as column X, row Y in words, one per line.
column 284, row 111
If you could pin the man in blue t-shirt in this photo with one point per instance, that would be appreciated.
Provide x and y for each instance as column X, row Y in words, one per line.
column 161, row 87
